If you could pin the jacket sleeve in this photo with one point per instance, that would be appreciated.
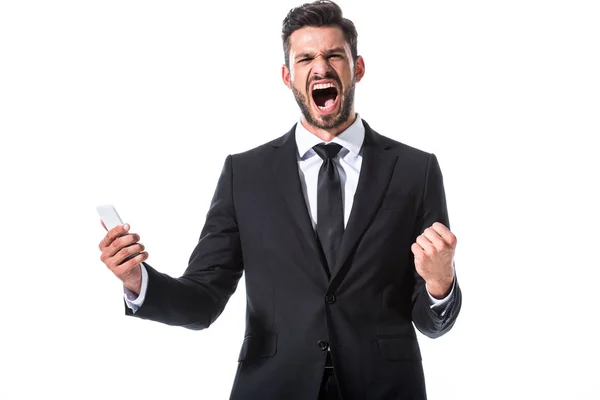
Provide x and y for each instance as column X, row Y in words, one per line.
column 197, row 298
column 433, row 208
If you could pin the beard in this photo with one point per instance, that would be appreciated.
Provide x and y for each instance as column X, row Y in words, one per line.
column 331, row 121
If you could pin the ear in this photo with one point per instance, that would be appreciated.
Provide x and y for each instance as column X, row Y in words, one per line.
column 286, row 76
column 359, row 67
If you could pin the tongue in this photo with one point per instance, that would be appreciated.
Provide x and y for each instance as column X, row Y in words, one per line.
column 329, row 102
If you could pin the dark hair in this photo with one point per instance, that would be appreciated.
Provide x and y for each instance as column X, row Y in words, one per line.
column 318, row 13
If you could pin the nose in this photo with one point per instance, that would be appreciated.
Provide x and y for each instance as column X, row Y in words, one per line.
column 321, row 66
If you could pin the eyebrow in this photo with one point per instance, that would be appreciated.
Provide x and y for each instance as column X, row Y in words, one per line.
column 327, row 53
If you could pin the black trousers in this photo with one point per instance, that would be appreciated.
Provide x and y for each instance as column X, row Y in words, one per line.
column 329, row 387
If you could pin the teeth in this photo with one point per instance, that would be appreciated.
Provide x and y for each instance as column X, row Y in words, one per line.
column 323, row 86
column 324, row 108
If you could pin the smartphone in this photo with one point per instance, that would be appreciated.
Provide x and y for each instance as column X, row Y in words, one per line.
column 109, row 216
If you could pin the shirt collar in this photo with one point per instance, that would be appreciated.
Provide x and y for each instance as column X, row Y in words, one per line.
column 351, row 139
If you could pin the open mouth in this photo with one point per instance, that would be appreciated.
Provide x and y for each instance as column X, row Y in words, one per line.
column 325, row 97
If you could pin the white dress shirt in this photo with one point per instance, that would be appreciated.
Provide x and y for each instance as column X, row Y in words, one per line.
column 348, row 162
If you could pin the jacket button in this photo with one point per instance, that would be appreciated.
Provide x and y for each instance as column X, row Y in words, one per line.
column 323, row 345
column 330, row 298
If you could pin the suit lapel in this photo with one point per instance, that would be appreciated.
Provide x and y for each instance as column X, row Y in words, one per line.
column 287, row 177
column 375, row 173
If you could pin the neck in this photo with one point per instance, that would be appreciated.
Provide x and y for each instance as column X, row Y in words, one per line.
column 327, row 135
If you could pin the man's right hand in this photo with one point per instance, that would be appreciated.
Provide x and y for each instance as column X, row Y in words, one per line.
column 116, row 246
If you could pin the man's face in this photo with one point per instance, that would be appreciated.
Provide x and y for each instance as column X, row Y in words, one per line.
column 322, row 75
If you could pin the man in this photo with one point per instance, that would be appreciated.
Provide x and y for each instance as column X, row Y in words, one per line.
column 342, row 234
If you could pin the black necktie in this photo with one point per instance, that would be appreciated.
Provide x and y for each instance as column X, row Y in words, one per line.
column 330, row 210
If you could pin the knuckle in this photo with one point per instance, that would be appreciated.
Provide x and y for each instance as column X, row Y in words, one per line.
column 113, row 269
column 453, row 239
column 111, row 262
column 110, row 236
column 123, row 269
column 129, row 265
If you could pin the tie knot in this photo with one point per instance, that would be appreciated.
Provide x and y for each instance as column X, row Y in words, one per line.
column 326, row 151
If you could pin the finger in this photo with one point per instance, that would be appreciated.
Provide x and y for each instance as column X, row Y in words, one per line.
column 124, row 269
column 445, row 233
column 425, row 244
column 119, row 243
column 120, row 256
column 417, row 251
column 114, row 233
column 127, row 252
column 102, row 222
column 435, row 238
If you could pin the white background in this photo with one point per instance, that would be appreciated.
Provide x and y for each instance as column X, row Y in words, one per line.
column 138, row 103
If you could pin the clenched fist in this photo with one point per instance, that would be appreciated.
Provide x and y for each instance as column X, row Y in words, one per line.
column 122, row 254
column 434, row 255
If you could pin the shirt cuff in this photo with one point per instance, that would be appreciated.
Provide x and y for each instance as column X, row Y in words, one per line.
column 440, row 304
column 133, row 301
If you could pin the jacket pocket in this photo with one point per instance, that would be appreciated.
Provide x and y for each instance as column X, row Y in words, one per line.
column 399, row 349
column 258, row 346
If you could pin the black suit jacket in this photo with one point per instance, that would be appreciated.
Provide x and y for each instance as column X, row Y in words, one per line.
column 258, row 223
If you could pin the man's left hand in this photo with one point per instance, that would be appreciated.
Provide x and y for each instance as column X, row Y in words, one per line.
column 434, row 256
